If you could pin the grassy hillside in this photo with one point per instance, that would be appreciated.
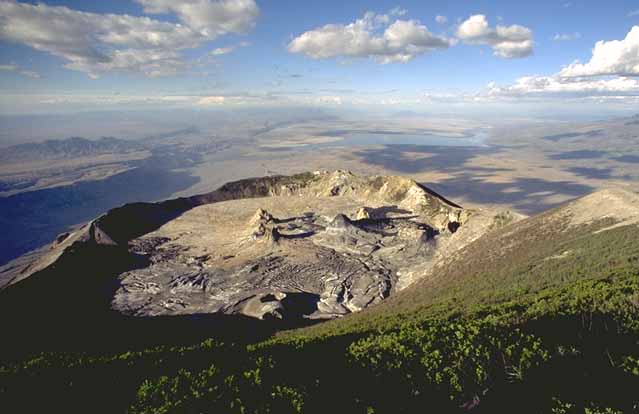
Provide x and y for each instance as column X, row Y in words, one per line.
column 538, row 317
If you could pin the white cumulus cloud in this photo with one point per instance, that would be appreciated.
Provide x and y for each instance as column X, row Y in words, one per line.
column 614, row 57
column 228, row 49
column 441, row 19
column 398, row 11
column 556, row 85
column 208, row 17
column 611, row 73
column 371, row 36
column 329, row 100
column 97, row 43
column 211, row 100
column 507, row 42
column 12, row 67
column 560, row 37
column 222, row 50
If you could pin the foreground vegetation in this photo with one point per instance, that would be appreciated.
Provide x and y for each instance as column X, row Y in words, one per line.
column 527, row 334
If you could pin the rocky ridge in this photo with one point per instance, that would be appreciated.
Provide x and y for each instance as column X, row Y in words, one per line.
column 313, row 245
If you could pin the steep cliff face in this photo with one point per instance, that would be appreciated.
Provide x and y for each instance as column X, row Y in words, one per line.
column 132, row 220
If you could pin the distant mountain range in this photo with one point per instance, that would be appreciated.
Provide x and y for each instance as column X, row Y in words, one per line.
column 67, row 149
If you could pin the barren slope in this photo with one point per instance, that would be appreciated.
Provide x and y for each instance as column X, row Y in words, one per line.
column 315, row 245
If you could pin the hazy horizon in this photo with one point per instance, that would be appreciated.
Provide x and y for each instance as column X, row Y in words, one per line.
column 74, row 56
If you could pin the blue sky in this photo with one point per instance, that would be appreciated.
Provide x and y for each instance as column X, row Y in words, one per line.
column 273, row 52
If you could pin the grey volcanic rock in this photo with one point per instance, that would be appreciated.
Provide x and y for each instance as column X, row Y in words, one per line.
column 343, row 236
column 272, row 247
column 334, row 283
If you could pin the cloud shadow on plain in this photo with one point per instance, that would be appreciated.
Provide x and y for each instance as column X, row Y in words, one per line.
column 578, row 155
column 527, row 195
